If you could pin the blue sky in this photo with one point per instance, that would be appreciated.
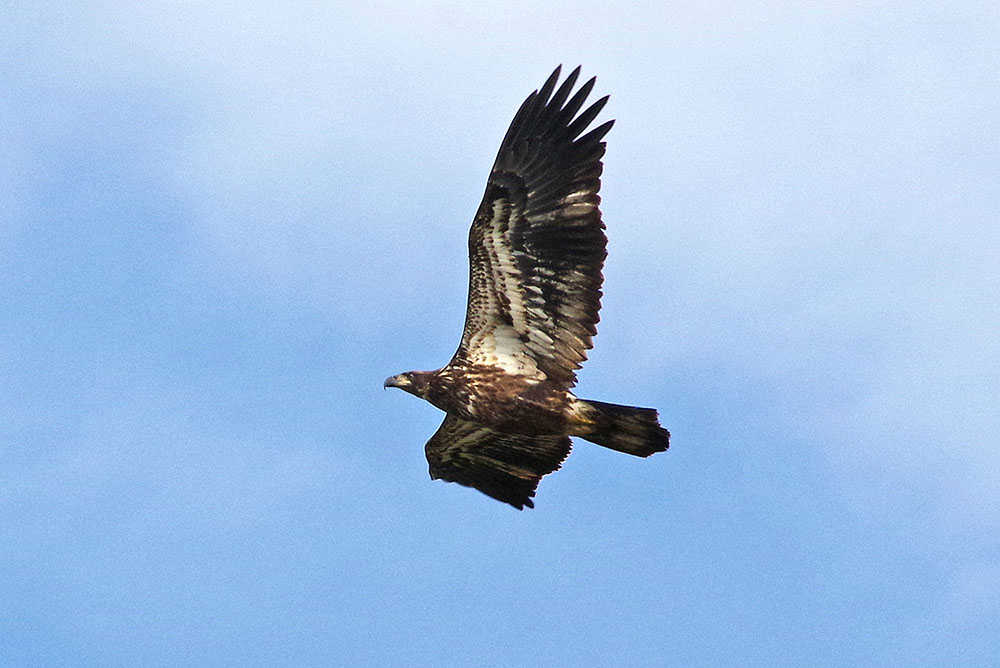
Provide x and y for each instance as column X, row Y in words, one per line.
column 222, row 226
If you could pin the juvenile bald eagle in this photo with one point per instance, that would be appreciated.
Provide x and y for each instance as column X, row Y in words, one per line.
column 536, row 250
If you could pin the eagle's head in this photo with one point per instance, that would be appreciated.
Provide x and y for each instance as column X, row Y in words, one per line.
column 414, row 382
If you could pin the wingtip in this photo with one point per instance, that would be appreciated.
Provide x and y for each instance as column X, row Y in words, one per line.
column 546, row 90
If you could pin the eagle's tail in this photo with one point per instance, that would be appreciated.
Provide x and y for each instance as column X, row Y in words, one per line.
column 634, row 431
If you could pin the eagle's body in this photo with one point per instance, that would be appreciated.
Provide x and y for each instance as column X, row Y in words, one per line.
column 503, row 401
column 536, row 250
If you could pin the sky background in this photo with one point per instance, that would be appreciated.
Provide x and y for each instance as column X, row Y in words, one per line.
column 222, row 225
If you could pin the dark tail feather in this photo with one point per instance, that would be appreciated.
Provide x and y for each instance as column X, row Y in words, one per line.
column 634, row 431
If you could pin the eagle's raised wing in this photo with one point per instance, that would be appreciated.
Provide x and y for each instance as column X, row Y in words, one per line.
column 504, row 466
column 537, row 245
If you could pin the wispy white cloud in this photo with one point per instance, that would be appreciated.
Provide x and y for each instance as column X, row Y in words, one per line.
column 828, row 227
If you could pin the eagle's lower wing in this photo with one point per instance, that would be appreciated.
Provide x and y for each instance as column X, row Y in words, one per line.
column 537, row 245
column 504, row 466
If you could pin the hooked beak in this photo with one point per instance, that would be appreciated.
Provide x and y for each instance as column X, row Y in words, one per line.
column 391, row 381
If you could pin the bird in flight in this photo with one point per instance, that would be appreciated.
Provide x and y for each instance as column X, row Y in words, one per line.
column 536, row 250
